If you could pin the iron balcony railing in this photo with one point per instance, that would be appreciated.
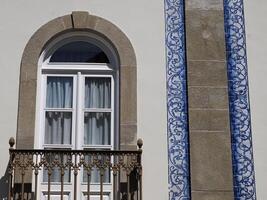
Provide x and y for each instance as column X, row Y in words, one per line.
column 42, row 173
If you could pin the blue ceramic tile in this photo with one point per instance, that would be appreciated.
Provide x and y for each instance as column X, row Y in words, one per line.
column 178, row 160
column 242, row 153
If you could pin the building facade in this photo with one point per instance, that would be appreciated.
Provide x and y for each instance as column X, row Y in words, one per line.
column 98, row 75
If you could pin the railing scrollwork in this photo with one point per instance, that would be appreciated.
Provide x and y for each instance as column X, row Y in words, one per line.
column 121, row 170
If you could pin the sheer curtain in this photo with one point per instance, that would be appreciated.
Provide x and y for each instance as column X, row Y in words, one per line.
column 95, row 172
column 58, row 120
column 58, row 123
column 97, row 124
column 56, row 171
column 95, row 176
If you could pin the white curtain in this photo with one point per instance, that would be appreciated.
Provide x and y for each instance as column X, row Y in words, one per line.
column 56, row 171
column 97, row 124
column 97, row 92
column 95, row 172
column 59, row 92
column 95, row 176
column 58, row 127
column 58, row 124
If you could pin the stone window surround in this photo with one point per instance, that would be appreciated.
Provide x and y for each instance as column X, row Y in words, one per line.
column 78, row 20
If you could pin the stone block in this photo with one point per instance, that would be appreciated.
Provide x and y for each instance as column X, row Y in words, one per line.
column 212, row 195
column 207, row 73
column 211, row 120
column 128, row 93
column 128, row 147
column 205, row 38
column 79, row 19
column 208, row 97
column 128, row 134
column 210, row 161
column 204, row 5
column 26, row 114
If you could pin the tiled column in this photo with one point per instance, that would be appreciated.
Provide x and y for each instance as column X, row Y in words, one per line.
column 209, row 132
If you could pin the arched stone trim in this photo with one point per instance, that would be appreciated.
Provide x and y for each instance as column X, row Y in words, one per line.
column 29, row 68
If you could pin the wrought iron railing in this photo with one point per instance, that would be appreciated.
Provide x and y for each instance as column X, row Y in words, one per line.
column 38, row 174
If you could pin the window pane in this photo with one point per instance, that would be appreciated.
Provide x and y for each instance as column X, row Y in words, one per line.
column 56, row 175
column 97, row 92
column 95, row 172
column 97, row 128
column 56, row 171
column 58, row 127
column 79, row 51
column 59, row 92
column 94, row 196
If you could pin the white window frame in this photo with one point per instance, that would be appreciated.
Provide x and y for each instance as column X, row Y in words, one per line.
column 73, row 110
column 78, row 71
column 78, row 110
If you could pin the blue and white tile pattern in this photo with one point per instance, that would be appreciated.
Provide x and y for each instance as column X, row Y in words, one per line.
column 242, row 154
column 179, row 183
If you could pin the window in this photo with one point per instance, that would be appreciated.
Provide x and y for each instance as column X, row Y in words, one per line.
column 78, row 110
column 36, row 63
column 78, row 102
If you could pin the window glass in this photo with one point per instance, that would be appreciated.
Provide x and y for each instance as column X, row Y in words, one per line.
column 77, row 112
column 55, row 176
column 58, row 126
column 79, row 51
column 58, row 114
column 95, row 172
column 59, row 92
column 97, row 92
column 97, row 99
column 97, row 128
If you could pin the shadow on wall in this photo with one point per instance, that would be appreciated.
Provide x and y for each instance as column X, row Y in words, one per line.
column 4, row 185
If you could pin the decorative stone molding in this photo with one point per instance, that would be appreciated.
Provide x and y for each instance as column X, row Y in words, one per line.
column 242, row 152
column 29, row 64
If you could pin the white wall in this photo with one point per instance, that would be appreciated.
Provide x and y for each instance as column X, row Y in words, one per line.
column 143, row 22
column 256, row 29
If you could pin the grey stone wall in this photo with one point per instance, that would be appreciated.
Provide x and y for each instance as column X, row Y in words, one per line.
column 209, row 132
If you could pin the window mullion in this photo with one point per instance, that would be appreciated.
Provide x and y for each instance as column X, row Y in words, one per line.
column 79, row 111
column 59, row 109
column 98, row 110
column 112, row 114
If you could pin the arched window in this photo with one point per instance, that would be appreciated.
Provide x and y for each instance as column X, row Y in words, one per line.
column 61, row 63
column 78, row 81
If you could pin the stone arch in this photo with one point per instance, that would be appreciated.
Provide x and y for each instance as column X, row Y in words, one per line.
column 29, row 69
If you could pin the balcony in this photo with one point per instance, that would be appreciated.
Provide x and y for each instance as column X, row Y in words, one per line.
column 64, row 174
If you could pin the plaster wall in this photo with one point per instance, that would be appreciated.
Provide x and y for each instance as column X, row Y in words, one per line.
column 143, row 23
column 256, row 28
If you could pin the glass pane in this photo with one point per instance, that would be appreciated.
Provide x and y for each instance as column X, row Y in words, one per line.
column 58, row 127
column 56, row 171
column 97, row 128
column 94, row 196
column 57, row 196
column 95, row 172
column 79, row 51
column 59, row 92
column 97, row 92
